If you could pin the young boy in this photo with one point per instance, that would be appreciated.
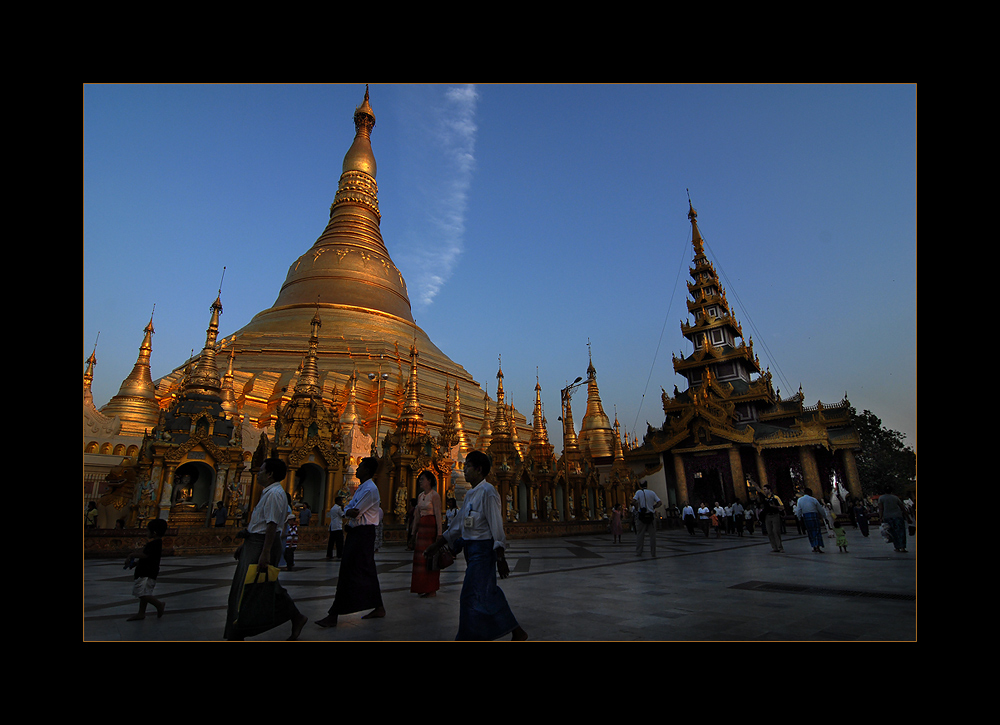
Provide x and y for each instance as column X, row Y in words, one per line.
column 147, row 568
column 291, row 542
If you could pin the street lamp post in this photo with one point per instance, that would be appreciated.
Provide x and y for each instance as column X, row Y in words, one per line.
column 377, row 378
column 564, row 397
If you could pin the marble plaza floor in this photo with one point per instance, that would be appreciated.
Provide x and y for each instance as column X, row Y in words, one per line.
column 582, row 588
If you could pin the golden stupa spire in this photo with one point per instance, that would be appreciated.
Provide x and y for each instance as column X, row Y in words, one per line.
column 570, row 442
column 135, row 403
column 88, row 374
column 595, row 431
column 308, row 382
column 411, row 421
column 228, row 393
column 619, row 453
column 348, row 266
column 461, row 436
column 696, row 239
column 538, row 433
column 500, row 423
column 514, row 437
column 350, row 415
column 485, row 431
column 204, row 378
column 447, row 434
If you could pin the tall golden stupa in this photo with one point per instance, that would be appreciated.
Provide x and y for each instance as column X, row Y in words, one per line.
column 347, row 279
column 334, row 370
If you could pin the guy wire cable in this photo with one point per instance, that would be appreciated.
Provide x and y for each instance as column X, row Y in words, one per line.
column 666, row 317
column 746, row 313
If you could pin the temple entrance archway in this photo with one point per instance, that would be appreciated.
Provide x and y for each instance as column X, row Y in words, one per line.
column 706, row 487
column 309, row 487
column 523, row 499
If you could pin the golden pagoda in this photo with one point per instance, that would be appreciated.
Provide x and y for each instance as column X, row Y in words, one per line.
column 730, row 430
column 320, row 402
column 596, row 437
column 349, row 280
column 135, row 405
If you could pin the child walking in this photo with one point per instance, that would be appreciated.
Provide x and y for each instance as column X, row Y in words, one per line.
column 838, row 530
column 147, row 567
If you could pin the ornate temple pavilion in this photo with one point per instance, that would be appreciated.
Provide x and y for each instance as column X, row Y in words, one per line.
column 729, row 430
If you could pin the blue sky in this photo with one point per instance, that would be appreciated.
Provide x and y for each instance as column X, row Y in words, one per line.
column 527, row 220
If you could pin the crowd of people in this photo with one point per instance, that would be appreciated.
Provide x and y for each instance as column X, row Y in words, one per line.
column 271, row 539
column 810, row 516
column 476, row 529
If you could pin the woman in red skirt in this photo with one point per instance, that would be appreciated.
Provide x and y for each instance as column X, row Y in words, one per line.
column 426, row 529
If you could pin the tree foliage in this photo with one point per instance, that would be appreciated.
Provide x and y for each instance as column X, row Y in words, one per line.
column 884, row 462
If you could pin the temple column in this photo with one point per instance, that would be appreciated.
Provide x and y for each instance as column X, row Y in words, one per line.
column 761, row 470
column 682, row 487
column 811, row 471
column 736, row 469
column 851, row 471
column 331, row 494
column 166, row 490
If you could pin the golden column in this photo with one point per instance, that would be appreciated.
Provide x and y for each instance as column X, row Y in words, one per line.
column 851, row 471
column 811, row 471
column 739, row 480
column 682, row 487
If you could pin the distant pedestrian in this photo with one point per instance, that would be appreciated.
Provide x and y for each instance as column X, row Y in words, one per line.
column 220, row 514
column 893, row 512
column 772, row 512
column 687, row 514
column 291, row 542
column 861, row 517
column 336, row 538
column 704, row 518
column 738, row 518
column 616, row 524
column 646, row 502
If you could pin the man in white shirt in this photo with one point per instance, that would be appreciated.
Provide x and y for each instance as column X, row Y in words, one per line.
column 738, row 518
column 644, row 502
column 336, row 539
column 478, row 529
column 263, row 547
column 812, row 513
column 357, row 582
column 687, row 515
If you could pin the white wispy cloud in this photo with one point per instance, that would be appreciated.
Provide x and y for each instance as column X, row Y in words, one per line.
column 437, row 242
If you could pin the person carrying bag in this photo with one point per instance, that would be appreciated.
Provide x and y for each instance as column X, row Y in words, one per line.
column 646, row 522
column 259, row 609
